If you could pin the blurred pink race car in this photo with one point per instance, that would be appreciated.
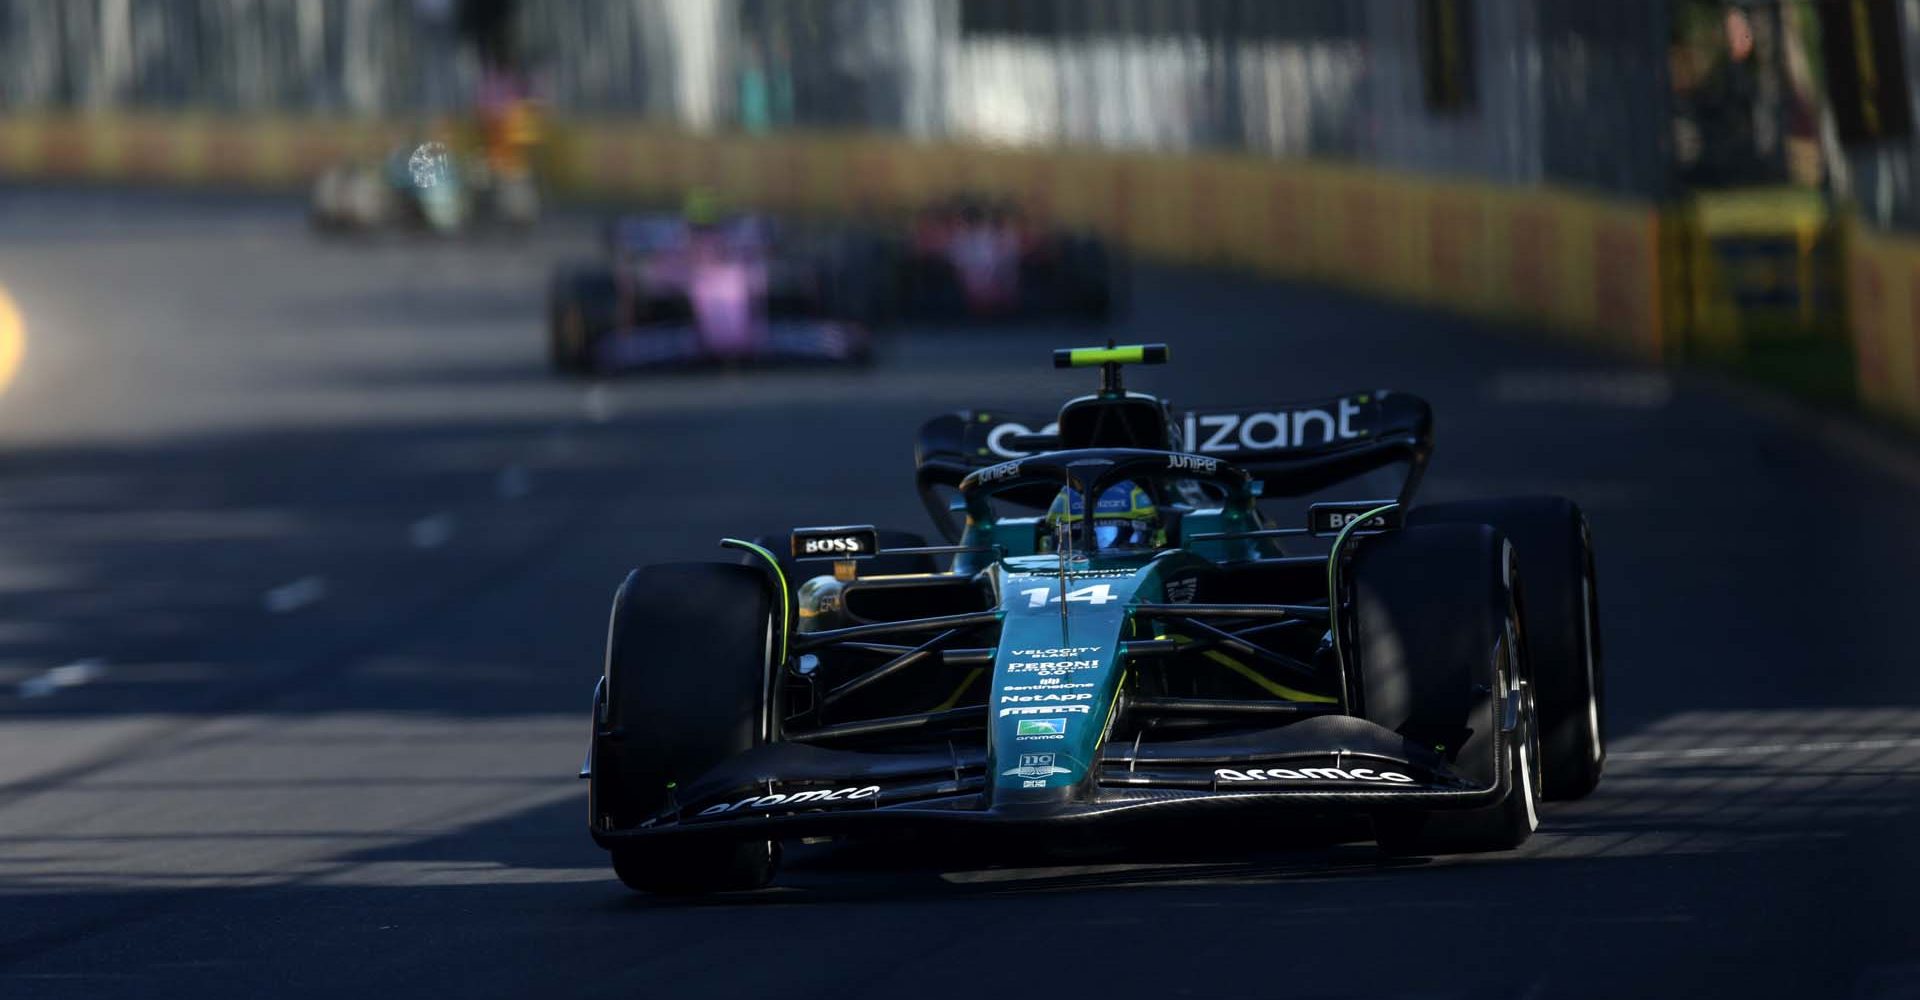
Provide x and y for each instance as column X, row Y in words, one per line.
column 980, row 258
column 678, row 292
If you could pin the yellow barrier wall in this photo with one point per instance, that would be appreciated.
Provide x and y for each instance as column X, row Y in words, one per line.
column 1883, row 316
column 1577, row 263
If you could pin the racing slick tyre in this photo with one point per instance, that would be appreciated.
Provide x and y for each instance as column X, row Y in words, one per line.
column 1562, row 618
column 689, row 653
column 580, row 309
column 1442, row 661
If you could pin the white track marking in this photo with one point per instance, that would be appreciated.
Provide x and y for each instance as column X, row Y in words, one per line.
column 432, row 531
column 512, row 483
column 599, row 404
column 1759, row 750
column 296, row 595
column 71, row 675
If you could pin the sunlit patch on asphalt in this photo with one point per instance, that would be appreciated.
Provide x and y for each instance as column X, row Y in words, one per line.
column 513, row 483
column 13, row 339
column 432, row 531
column 431, row 873
column 1695, row 753
column 1624, row 390
column 296, row 595
column 1701, row 782
column 598, row 404
column 70, row 675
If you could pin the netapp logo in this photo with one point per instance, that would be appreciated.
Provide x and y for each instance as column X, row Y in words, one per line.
column 1313, row 774
column 821, row 546
column 1227, row 432
column 1045, row 710
column 1017, row 699
column 794, row 799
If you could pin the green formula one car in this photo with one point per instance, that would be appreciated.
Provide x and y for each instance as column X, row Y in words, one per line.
column 1119, row 637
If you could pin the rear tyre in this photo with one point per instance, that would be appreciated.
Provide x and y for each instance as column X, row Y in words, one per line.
column 1441, row 656
column 689, row 659
column 581, row 307
column 1560, row 603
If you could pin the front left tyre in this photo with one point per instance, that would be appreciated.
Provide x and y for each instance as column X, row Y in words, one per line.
column 690, row 660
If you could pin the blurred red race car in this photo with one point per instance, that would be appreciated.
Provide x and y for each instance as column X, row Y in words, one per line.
column 678, row 290
column 984, row 258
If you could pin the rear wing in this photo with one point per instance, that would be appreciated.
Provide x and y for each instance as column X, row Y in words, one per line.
column 954, row 444
column 1294, row 449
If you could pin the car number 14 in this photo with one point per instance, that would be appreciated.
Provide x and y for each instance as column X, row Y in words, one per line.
column 1094, row 594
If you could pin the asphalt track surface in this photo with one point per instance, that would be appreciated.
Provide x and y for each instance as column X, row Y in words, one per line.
column 305, row 561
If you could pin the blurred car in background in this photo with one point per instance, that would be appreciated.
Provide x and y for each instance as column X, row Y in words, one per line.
column 484, row 172
column 700, row 288
column 985, row 258
column 422, row 187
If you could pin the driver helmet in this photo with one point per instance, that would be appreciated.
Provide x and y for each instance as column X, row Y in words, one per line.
column 1124, row 519
column 701, row 208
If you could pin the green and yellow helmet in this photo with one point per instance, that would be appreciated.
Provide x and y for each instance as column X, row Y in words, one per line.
column 702, row 207
column 1124, row 519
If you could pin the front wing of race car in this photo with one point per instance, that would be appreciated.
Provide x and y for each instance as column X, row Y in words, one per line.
column 1328, row 765
column 777, row 342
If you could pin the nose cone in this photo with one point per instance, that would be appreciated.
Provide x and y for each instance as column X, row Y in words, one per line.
column 1055, row 678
